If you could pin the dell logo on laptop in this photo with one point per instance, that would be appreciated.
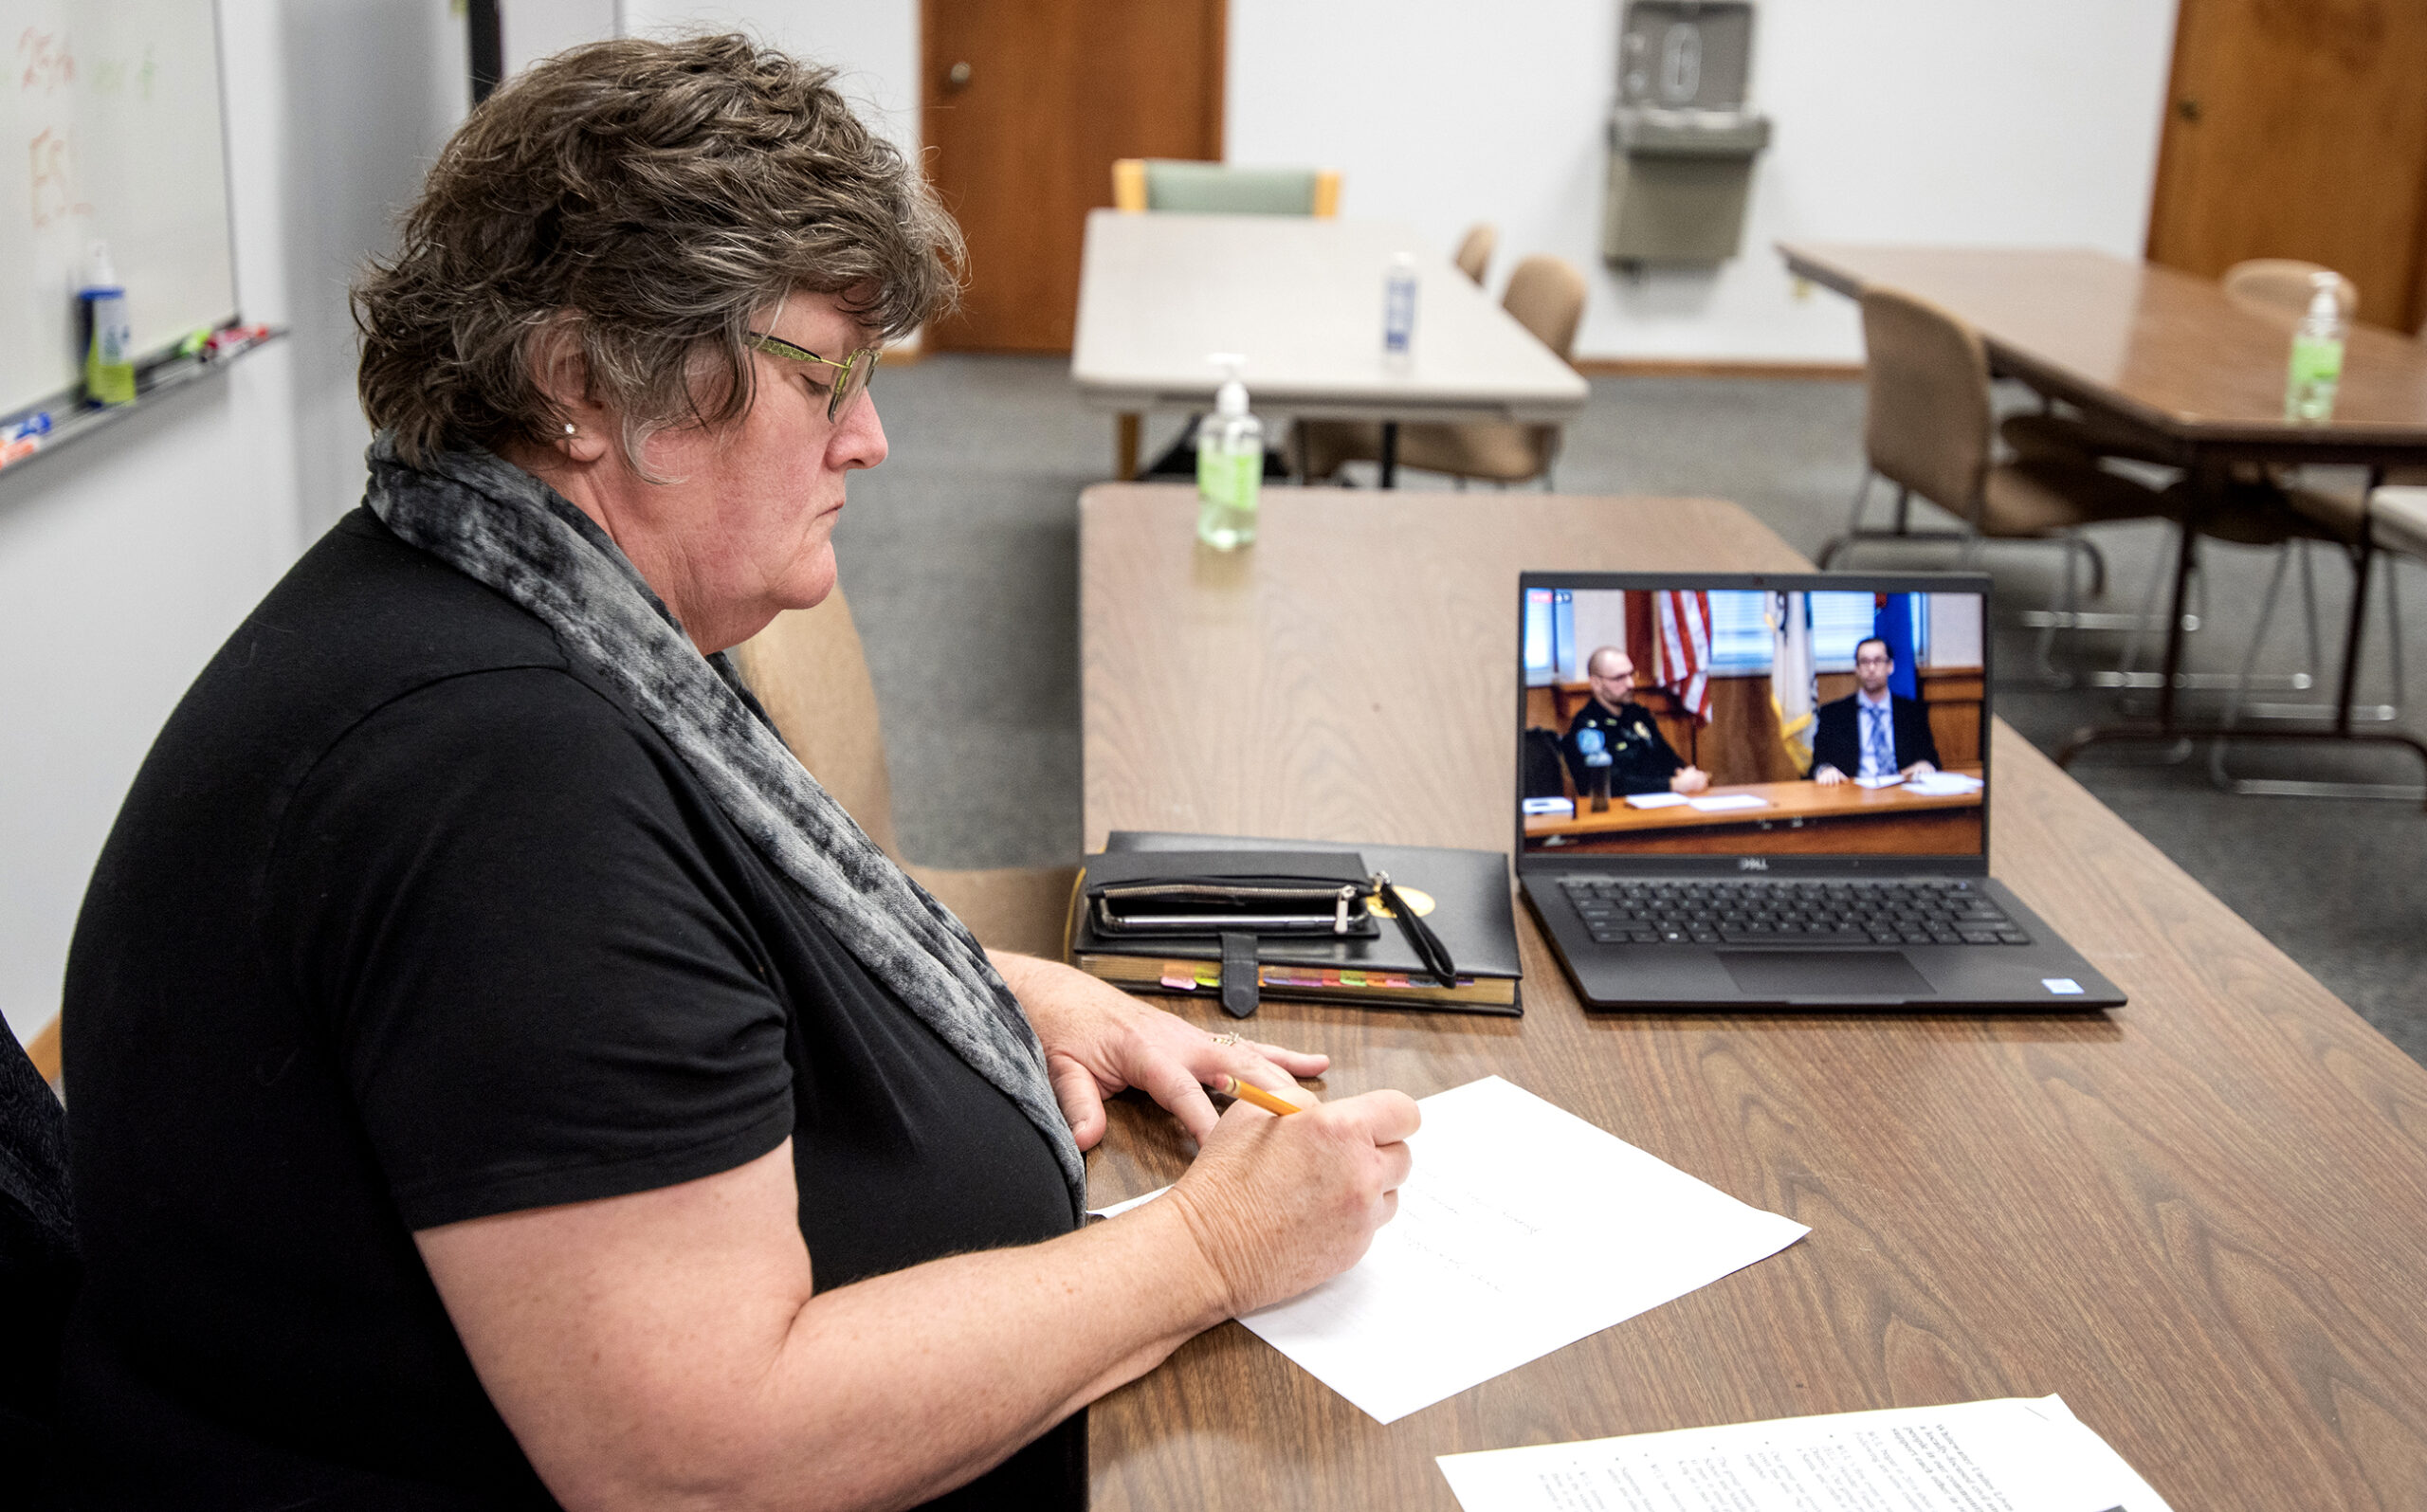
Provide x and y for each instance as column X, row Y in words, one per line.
column 1752, row 863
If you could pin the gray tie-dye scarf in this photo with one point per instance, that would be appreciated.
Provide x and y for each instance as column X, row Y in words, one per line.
column 502, row 527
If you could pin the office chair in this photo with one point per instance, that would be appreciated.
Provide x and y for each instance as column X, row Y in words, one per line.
column 810, row 671
column 1545, row 295
column 1475, row 249
column 1927, row 430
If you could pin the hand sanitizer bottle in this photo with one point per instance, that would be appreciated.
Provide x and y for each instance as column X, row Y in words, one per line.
column 2317, row 356
column 1230, row 464
column 109, row 359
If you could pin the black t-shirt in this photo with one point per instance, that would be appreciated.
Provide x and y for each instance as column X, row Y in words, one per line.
column 407, row 921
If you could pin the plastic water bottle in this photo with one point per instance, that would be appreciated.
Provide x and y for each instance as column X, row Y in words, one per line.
column 1398, row 313
column 1230, row 464
column 2317, row 356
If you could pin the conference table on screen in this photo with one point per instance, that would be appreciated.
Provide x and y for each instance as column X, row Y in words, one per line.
column 2202, row 1218
column 1301, row 300
column 1843, row 819
column 2196, row 374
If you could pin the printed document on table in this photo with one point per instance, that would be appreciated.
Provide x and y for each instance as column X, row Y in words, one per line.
column 1655, row 800
column 1728, row 802
column 1944, row 785
column 1520, row 1229
column 2015, row 1455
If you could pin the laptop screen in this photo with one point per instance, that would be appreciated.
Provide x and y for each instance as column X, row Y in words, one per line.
column 1810, row 716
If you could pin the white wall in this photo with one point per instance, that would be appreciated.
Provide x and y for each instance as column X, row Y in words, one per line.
column 1956, row 121
column 874, row 42
column 533, row 29
column 127, row 559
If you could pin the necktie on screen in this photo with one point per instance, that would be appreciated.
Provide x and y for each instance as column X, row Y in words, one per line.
column 1879, row 752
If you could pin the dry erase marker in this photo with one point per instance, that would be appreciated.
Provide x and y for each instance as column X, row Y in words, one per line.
column 1250, row 1092
column 24, row 438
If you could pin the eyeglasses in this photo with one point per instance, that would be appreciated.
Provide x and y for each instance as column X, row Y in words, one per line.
column 852, row 374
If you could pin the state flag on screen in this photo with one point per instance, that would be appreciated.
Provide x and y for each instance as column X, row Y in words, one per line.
column 1892, row 622
column 1680, row 649
column 1793, row 691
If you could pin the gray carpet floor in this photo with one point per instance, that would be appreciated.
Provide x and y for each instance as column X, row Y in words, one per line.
column 960, row 558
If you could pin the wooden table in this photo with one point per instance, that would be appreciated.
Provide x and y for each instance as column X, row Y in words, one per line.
column 1843, row 819
column 2197, row 374
column 1300, row 299
column 2202, row 1218
column 2170, row 353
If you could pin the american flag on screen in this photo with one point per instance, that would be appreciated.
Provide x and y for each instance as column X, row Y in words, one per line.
column 1680, row 649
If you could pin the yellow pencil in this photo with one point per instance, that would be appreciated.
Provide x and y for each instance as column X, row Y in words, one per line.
column 1250, row 1092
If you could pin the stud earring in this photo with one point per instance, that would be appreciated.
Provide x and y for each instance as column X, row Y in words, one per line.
column 569, row 427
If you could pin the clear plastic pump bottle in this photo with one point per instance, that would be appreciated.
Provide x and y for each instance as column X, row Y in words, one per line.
column 1230, row 464
column 2317, row 354
column 1398, row 313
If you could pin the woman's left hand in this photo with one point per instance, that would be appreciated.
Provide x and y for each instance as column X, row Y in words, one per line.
column 1098, row 1040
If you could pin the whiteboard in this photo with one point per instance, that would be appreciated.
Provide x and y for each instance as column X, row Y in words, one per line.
column 113, row 134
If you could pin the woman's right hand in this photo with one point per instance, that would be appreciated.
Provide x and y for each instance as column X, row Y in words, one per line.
column 1278, row 1205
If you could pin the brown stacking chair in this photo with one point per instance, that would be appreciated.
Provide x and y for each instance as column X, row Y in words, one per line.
column 1927, row 429
column 1474, row 252
column 1547, row 297
column 808, row 667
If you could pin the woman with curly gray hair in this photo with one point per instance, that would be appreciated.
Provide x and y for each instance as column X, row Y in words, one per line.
column 502, row 1076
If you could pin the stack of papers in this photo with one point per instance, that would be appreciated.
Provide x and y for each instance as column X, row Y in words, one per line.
column 2010, row 1455
column 1943, row 784
column 1723, row 802
column 1520, row 1229
column 1714, row 803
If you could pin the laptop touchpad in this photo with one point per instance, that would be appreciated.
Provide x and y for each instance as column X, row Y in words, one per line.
column 1776, row 974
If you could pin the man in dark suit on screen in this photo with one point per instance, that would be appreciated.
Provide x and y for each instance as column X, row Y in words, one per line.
column 1871, row 732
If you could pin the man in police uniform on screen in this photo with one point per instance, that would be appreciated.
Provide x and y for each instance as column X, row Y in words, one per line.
column 1613, row 747
column 1871, row 732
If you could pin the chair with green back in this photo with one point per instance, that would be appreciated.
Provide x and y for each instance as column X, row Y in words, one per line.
column 1168, row 185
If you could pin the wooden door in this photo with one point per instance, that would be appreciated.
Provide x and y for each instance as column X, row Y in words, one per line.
column 1025, row 106
column 2298, row 128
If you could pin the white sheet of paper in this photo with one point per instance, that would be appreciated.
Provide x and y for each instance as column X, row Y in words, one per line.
column 1943, row 784
column 1889, row 781
column 1655, row 800
column 1520, row 1229
column 1722, row 802
column 1120, row 1208
column 2013, row 1454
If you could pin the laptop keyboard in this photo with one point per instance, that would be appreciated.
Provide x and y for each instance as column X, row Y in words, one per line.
column 1790, row 912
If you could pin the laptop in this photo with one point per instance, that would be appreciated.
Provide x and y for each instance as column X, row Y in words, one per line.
column 1772, row 791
